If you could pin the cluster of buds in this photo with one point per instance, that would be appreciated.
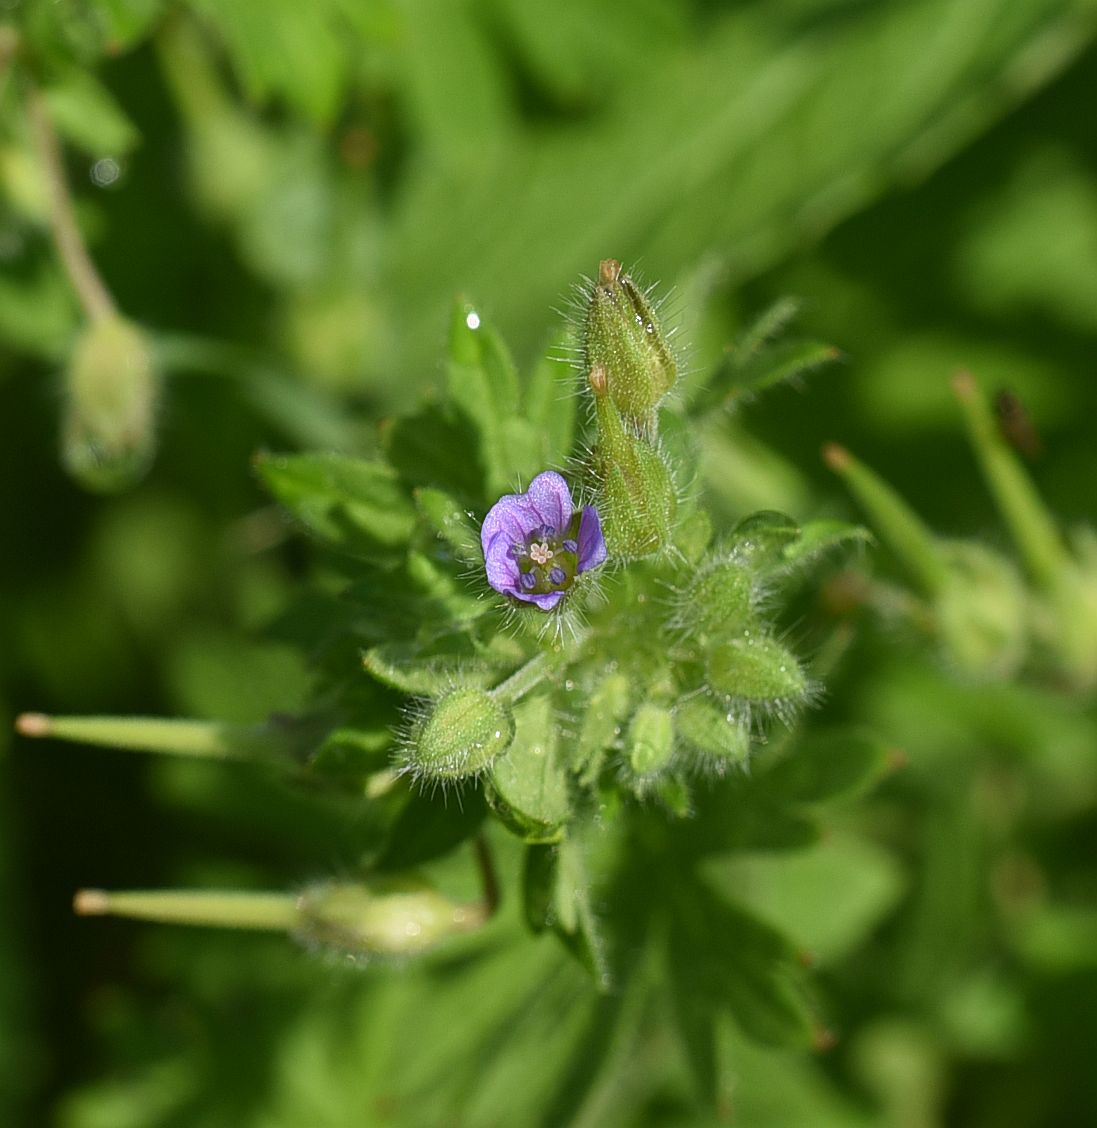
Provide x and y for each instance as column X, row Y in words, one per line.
column 675, row 668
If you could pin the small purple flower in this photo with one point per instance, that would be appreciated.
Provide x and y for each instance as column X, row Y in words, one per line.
column 535, row 544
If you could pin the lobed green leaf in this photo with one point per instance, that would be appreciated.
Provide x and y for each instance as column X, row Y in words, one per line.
column 354, row 504
column 528, row 787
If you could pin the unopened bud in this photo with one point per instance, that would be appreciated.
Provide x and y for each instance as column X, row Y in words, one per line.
column 719, row 601
column 108, row 433
column 699, row 721
column 460, row 737
column 650, row 740
column 755, row 668
column 623, row 336
column 636, row 498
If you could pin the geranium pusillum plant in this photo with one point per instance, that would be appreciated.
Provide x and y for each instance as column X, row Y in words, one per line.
column 443, row 666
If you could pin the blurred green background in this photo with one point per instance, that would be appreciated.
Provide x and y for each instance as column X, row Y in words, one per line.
column 288, row 197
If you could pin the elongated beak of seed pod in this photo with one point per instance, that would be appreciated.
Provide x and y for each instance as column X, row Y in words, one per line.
column 111, row 390
column 623, row 336
column 395, row 917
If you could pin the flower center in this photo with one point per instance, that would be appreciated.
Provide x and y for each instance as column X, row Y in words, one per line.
column 548, row 560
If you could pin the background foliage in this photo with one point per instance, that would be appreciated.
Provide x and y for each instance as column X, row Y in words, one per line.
column 288, row 197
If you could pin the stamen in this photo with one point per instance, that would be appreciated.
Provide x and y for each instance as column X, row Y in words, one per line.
column 529, row 580
column 570, row 546
column 557, row 576
column 540, row 553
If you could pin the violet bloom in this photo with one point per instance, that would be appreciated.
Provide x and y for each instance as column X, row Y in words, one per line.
column 535, row 544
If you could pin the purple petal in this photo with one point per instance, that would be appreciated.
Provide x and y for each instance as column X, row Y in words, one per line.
column 500, row 566
column 511, row 514
column 549, row 495
column 592, row 545
column 546, row 602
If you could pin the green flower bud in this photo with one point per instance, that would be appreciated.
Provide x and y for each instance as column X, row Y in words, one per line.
column 402, row 916
column 636, row 497
column 460, row 737
column 719, row 600
column 622, row 335
column 650, row 740
column 757, row 669
column 702, row 723
column 108, row 432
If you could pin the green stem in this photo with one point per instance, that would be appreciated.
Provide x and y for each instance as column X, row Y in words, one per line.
column 528, row 677
column 898, row 525
column 1030, row 524
column 525, row 679
column 71, row 248
column 271, row 912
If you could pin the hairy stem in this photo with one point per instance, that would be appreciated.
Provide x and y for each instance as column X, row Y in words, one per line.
column 90, row 289
column 529, row 676
column 524, row 679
